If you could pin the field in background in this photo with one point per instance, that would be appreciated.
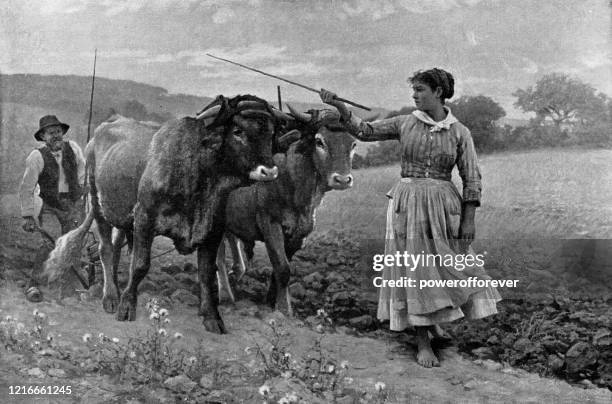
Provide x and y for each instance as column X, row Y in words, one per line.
column 545, row 193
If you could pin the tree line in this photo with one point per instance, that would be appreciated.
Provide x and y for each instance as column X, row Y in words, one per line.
column 568, row 112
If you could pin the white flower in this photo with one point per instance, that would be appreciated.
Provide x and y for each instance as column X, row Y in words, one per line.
column 101, row 336
column 292, row 397
column 35, row 313
column 283, row 400
column 287, row 355
column 348, row 380
column 153, row 316
column 321, row 313
column 20, row 326
column 319, row 328
column 247, row 350
column 115, row 340
column 163, row 312
column 132, row 354
column 9, row 318
column 42, row 315
column 49, row 337
column 286, row 374
column 379, row 386
column 178, row 335
column 192, row 360
column 86, row 337
column 162, row 331
column 331, row 368
column 264, row 390
column 344, row 364
column 272, row 323
column 166, row 321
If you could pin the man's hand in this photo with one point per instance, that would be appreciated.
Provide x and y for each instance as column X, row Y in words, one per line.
column 29, row 224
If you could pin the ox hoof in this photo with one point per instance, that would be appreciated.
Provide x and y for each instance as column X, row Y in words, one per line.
column 126, row 311
column 215, row 326
column 110, row 303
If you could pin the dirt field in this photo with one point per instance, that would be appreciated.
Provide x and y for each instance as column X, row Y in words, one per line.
column 541, row 211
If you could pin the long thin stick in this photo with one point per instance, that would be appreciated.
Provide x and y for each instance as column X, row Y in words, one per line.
column 287, row 81
column 93, row 81
column 280, row 101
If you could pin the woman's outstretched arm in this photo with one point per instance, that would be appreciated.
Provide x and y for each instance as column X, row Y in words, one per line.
column 384, row 129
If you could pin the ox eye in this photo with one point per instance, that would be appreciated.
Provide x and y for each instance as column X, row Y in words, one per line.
column 353, row 145
column 320, row 143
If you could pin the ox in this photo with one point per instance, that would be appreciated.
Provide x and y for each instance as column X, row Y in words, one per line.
column 282, row 213
column 174, row 182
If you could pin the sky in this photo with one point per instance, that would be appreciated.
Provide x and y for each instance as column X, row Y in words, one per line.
column 364, row 50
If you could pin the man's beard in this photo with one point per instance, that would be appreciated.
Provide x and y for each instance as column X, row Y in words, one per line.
column 55, row 145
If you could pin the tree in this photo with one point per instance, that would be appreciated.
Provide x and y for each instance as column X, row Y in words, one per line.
column 563, row 99
column 479, row 114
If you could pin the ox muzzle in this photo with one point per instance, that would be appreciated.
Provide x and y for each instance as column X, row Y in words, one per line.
column 263, row 173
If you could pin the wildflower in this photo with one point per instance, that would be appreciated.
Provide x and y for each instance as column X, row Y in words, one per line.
column 35, row 313
column 247, row 350
column 292, row 397
column 9, row 318
column 166, row 321
column 163, row 312
column 192, row 360
column 101, row 336
column 379, row 386
column 153, row 316
column 86, row 337
column 178, row 335
column 344, row 364
column 20, row 327
column 272, row 323
column 331, row 368
column 283, row 400
column 162, row 332
column 287, row 355
column 132, row 354
column 264, row 390
column 49, row 338
column 115, row 340
column 286, row 374
column 42, row 315
column 321, row 313
column 348, row 380
column 319, row 328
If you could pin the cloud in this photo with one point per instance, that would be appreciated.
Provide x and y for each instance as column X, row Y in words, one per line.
column 116, row 7
column 246, row 54
column 223, row 15
column 377, row 9
column 61, row 6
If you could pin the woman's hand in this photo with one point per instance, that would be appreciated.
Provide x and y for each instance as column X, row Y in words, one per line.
column 330, row 98
column 467, row 229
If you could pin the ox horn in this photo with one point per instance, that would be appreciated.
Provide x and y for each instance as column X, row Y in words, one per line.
column 209, row 113
column 280, row 115
column 300, row 116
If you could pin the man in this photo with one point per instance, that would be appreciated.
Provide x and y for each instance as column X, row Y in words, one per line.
column 58, row 170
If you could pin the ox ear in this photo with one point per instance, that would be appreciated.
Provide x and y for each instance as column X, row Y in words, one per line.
column 287, row 139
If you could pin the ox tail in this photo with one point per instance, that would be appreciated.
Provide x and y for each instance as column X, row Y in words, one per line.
column 67, row 251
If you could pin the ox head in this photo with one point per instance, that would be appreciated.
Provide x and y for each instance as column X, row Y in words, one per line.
column 248, row 125
column 332, row 147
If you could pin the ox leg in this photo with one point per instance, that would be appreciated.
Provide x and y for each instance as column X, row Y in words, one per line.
column 110, row 292
column 139, row 266
column 278, row 294
column 225, row 289
column 290, row 249
column 209, row 297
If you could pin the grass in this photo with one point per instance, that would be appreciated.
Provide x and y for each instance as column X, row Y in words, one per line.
column 549, row 193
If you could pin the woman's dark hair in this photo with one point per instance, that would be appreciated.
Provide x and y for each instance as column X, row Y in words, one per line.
column 435, row 78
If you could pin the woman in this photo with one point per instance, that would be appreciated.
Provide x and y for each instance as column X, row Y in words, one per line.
column 426, row 214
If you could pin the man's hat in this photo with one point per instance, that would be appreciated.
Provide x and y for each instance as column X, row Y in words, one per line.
column 45, row 122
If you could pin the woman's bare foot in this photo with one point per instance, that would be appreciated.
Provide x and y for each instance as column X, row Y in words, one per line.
column 425, row 355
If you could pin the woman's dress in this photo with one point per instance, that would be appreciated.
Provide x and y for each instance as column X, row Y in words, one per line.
column 423, row 218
